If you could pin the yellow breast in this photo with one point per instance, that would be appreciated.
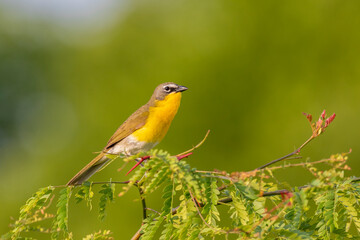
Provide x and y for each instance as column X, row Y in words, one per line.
column 159, row 120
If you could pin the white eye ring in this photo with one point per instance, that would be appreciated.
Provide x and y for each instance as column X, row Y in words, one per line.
column 167, row 89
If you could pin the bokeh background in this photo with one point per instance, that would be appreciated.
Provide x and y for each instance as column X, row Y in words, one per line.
column 72, row 71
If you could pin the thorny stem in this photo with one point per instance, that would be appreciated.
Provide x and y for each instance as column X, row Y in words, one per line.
column 153, row 210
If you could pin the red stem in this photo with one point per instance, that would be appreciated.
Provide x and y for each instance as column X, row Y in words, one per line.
column 184, row 156
column 138, row 163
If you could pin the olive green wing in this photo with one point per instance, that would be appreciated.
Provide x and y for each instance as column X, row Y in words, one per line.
column 133, row 123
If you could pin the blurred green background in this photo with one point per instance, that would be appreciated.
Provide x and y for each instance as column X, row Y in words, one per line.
column 72, row 71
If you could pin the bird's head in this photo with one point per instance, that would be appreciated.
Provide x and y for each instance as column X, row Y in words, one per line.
column 166, row 89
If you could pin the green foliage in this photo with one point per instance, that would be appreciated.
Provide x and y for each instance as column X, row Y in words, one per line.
column 85, row 193
column 150, row 226
column 100, row 235
column 107, row 195
column 210, row 210
column 333, row 197
column 32, row 212
column 61, row 220
column 255, row 207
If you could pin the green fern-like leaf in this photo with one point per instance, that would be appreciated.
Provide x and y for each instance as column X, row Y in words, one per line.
column 290, row 232
column 107, row 195
column 85, row 193
column 153, row 226
column 349, row 198
column 36, row 202
column 210, row 210
column 158, row 178
column 61, row 219
column 168, row 230
column 240, row 215
column 100, row 235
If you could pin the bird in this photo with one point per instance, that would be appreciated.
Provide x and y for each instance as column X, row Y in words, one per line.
column 142, row 131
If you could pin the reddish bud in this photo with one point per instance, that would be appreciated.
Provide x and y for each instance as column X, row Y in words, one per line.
column 308, row 116
column 330, row 119
column 323, row 114
column 319, row 123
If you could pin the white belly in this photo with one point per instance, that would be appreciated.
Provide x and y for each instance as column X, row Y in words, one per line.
column 131, row 146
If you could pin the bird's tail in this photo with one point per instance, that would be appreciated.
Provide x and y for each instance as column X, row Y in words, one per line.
column 84, row 174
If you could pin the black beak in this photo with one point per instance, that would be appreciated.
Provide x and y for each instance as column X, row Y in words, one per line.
column 181, row 89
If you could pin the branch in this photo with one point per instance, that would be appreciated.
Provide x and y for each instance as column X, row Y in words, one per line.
column 196, row 204
column 244, row 175
column 297, row 151
column 143, row 202
column 317, row 128
column 275, row 193
column 179, row 156
column 93, row 183
column 137, row 235
column 229, row 199
column 197, row 146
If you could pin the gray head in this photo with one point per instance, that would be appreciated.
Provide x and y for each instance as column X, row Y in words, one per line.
column 165, row 89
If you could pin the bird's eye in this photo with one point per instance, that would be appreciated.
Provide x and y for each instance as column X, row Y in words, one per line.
column 167, row 89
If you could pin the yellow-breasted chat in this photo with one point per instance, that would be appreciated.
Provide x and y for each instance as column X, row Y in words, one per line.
column 143, row 130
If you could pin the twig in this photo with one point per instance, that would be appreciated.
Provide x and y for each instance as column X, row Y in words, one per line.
column 137, row 235
column 269, row 216
column 143, row 202
column 93, row 183
column 178, row 156
column 197, row 146
column 197, row 205
column 153, row 210
column 219, row 176
column 317, row 128
column 280, row 192
column 302, row 164
column 210, row 172
column 234, row 176
column 297, row 151
column 198, row 211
